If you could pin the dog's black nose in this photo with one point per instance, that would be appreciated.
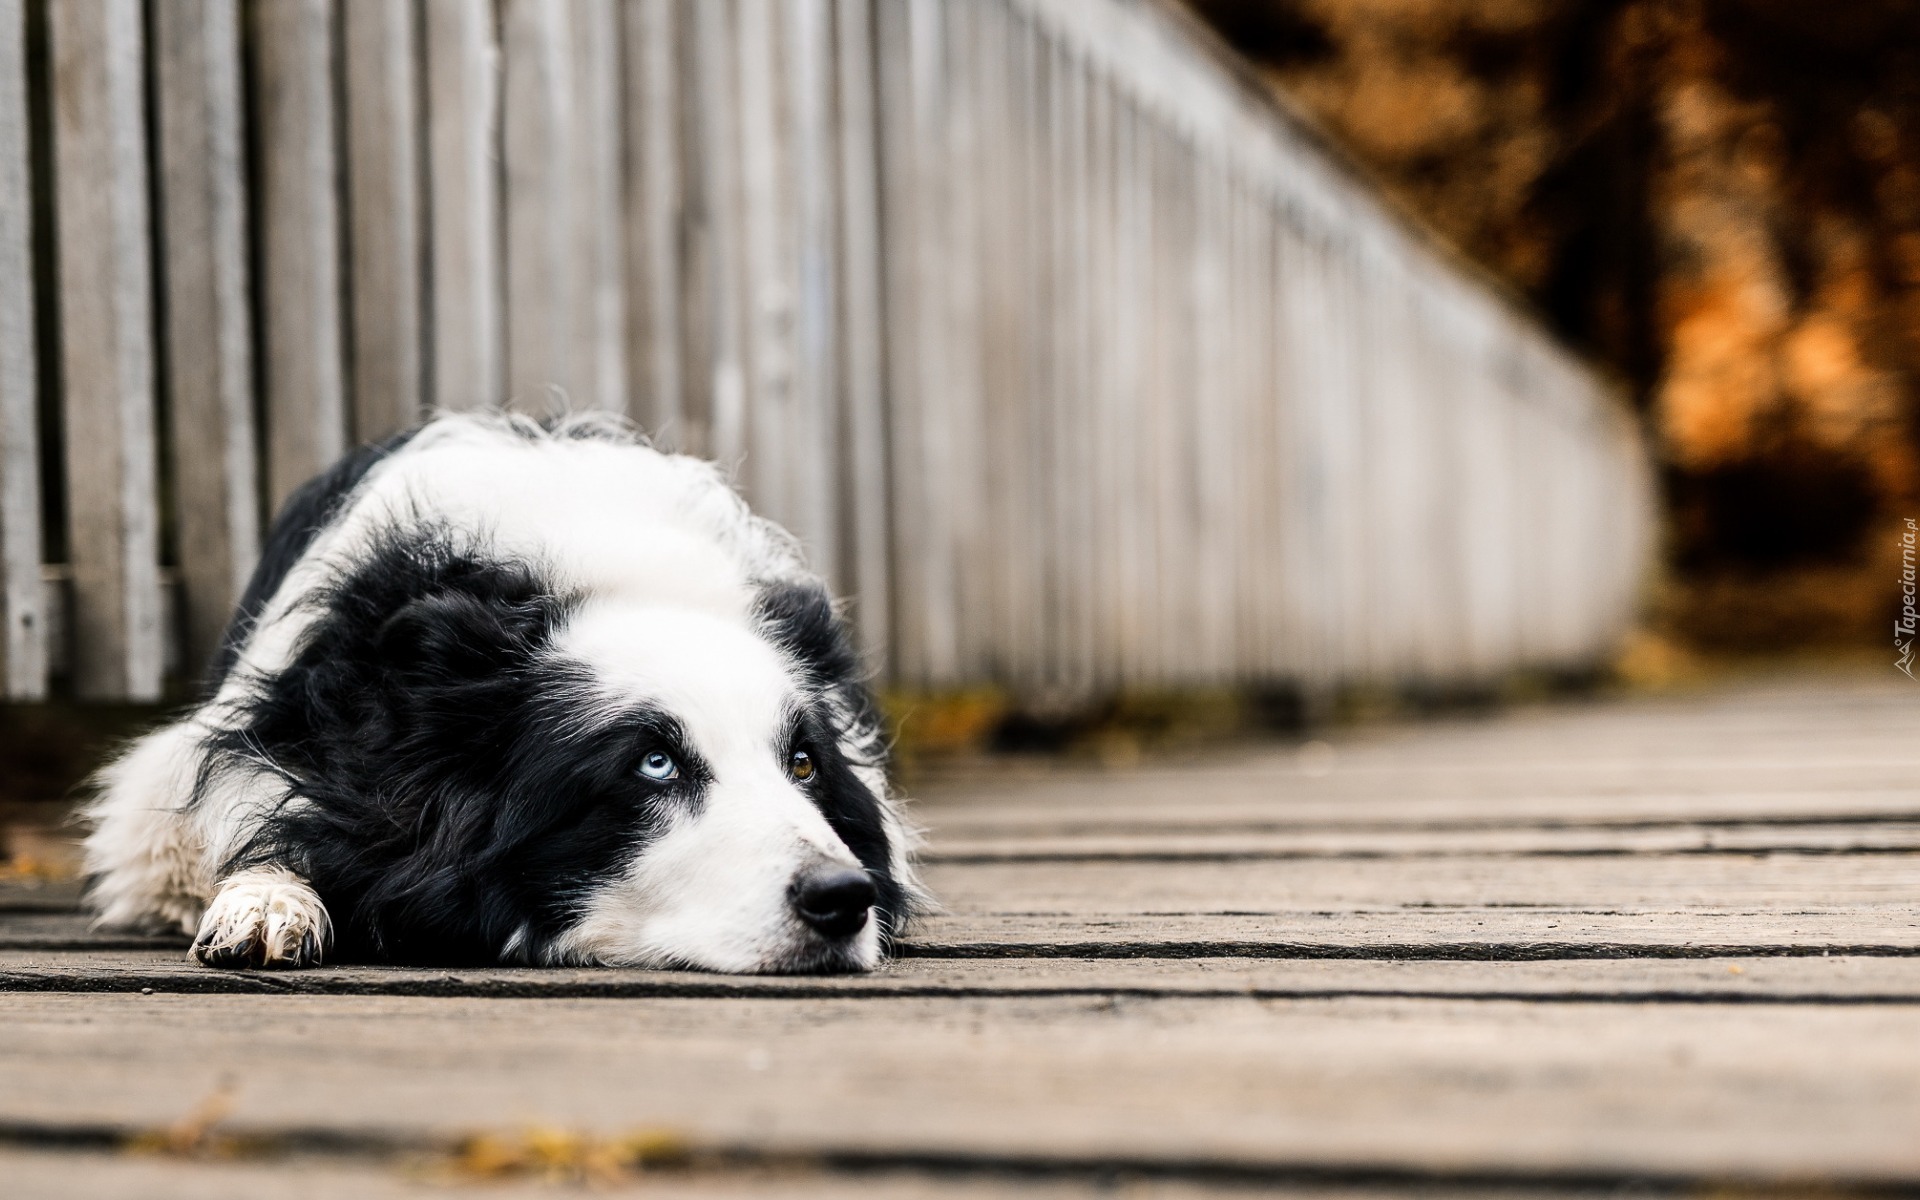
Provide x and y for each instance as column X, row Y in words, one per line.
column 834, row 901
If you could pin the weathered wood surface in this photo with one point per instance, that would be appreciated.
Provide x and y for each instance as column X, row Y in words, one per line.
column 305, row 1176
column 463, row 225
column 23, row 634
column 302, row 301
column 105, row 273
column 1806, row 980
column 198, row 80
column 380, row 97
column 1439, row 953
column 1351, row 1082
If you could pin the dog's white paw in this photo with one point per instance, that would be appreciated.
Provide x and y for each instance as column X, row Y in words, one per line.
column 263, row 918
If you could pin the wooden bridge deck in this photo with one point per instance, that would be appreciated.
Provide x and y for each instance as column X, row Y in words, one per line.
column 1669, row 946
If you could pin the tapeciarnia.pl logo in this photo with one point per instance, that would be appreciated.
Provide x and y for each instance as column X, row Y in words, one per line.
column 1903, row 629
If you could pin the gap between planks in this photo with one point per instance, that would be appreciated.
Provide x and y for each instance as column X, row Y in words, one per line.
column 90, row 1161
column 1805, row 980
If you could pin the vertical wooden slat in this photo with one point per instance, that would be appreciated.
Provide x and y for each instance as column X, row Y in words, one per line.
column 1170, row 404
column 1000, row 563
column 1319, row 581
column 955, row 426
column 1345, row 540
column 208, row 320
column 599, row 366
column 908, row 57
column 1208, row 476
column 1101, row 416
column 105, row 279
column 305, row 370
column 932, row 384
column 566, row 325
column 465, row 360
column 1145, row 221
column 808, row 30
column 767, row 278
column 537, row 129
column 24, row 643
column 654, row 83
column 1132, row 334
column 1079, row 403
column 1250, row 545
column 864, row 483
column 1034, row 543
column 383, row 214
column 721, row 432
column 1286, row 618
column 1064, row 626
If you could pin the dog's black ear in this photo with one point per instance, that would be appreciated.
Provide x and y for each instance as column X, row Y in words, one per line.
column 798, row 617
column 463, row 632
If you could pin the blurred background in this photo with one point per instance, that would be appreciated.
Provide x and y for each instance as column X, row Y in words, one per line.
column 1720, row 199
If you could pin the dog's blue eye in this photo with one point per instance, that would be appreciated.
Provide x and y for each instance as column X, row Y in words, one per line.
column 660, row 765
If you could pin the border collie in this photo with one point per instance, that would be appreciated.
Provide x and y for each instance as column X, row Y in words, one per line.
column 527, row 692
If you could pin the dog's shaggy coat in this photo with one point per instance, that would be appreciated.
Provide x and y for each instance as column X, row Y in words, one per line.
column 512, row 691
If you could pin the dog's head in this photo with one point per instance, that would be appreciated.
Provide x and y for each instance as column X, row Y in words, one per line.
column 484, row 765
column 758, row 840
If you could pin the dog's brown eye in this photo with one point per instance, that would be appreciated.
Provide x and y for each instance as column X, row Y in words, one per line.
column 800, row 765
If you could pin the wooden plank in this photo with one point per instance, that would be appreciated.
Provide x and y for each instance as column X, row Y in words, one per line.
column 1106, row 416
column 23, row 646
column 956, row 423
column 463, row 204
column 107, row 372
column 1810, row 837
column 596, row 146
column 371, row 1173
column 1164, row 195
column 999, row 559
column 1073, row 546
column 1056, row 433
column 1875, row 882
column 1573, row 1091
column 44, row 931
column 1811, row 980
column 1469, row 933
column 814, row 484
column 720, row 335
column 565, row 310
column 1133, row 333
column 305, row 368
column 654, row 215
column 1029, row 814
column 864, row 481
column 1034, row 619
column 380, row 93
column 1484, row 934
column 772, row 431
column 207, row 311
column 538, row 126
column 900, row 140
column 924, row 545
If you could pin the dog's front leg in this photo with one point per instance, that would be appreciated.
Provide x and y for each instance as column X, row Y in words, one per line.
column 263, row 917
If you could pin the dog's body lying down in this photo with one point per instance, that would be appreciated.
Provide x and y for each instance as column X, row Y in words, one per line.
column 518, row 692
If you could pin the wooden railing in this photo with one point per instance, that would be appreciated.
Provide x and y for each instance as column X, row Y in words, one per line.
column 1074, row 360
